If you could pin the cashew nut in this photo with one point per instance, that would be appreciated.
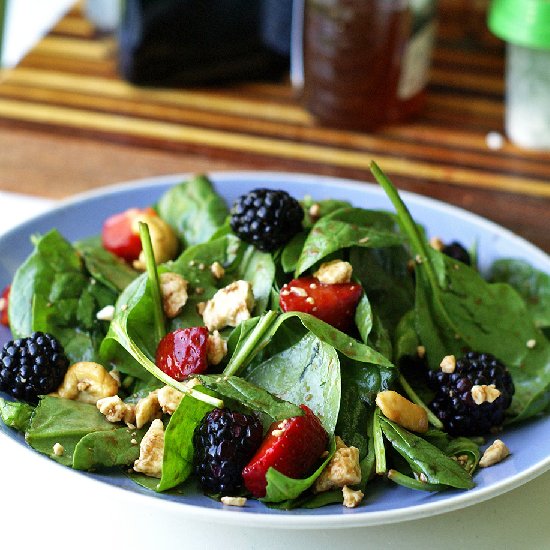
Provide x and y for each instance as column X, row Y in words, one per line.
column 88, row 382
column 115, row 410
column 164, row 240
column 402, row 411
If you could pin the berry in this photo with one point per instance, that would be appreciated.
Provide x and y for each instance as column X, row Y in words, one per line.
column 456, row 251
column 454, row 403
column 4, row 298
column 183, row 352
column 333, row 303
column 32, row 366
column 120, row 233
column 224, row 442
column 292, row 447
column 266, row 218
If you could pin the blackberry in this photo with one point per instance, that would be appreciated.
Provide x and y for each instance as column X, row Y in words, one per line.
column 456, row 251
column 224, row 443
column 454, row 403
column 266, row 218
column 32, row 366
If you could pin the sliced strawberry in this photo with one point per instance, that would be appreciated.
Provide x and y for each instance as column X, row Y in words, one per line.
column 4, row 298
column 183, row 352
column 292, row 447
column 120, row 235
column 333, row 303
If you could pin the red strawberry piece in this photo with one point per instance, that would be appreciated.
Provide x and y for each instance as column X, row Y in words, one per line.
column 120, row 235
column 333, row 303
column 183, row 352
column 4, row 298
column 292, row 447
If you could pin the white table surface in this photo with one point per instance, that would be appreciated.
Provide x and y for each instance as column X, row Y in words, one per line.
column 42, row 507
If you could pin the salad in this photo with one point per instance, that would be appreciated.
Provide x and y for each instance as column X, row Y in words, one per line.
column 294, row 352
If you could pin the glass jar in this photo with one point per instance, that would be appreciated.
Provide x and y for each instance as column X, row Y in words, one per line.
column 366, row 63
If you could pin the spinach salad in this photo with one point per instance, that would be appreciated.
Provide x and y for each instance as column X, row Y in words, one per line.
column 193, row 342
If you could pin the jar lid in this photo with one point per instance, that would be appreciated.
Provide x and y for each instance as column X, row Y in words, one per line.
column 522, row 22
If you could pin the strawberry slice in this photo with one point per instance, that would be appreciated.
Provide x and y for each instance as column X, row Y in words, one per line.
column 292, row 447
column 4, row 298
column 183, row 352
column 333, row 303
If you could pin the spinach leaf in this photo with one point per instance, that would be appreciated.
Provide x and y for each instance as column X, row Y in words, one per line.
column 456, row 310
column 105, row 267
column 353, row 416
column 386, row 280
column 65, row 422
column 292, row 250
column 251, row 396
column 283, row 488
column 177, row 463
column 533, row 286
column 52, row 293
column 305, row 373
column 258, row 269
column 105, row 449
column 425, row 458
column 405, row 338
column 15, row 414
column 193, row 209
column 345, row 228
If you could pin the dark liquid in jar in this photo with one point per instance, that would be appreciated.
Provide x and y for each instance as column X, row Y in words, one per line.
column 353, row 52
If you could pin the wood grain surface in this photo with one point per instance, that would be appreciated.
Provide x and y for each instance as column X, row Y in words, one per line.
column 68, row 123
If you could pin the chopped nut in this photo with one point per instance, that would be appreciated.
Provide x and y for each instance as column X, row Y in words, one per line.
column 133, row 441
column 147, row 409
column 164, row 240
column 88, row 382
column 352, row 498
column 229, row 306
column 494, row 453
column 437, row 243
column 448, row 364
column 173, row 288
column 531, row 343
column 233, row 501
column 343, row 469
column 106, row 314
column 151, row 451
column 216, row 348
column 402, row 411
column 310, row 300
column 169, row 399
column 315, row 211
column 200, row 308
column 217, row 270
column 58, row 449
column 484, row 393
column 115, row 410
column 421, row 352
column 334, row 272
column 277, row 433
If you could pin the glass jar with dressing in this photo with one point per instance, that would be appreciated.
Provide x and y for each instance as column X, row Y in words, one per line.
column 366, row 63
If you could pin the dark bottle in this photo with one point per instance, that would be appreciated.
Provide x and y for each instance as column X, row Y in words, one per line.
column 194, row 42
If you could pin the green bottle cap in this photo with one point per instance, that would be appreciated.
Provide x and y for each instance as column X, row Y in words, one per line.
column 522, row 22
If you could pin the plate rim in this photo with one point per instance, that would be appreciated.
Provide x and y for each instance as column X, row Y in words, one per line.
column 356, row 518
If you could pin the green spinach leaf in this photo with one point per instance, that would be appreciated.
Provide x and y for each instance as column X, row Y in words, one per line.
column 65, row 422
column 15, row 414
column 193, row 209
column 305, row 373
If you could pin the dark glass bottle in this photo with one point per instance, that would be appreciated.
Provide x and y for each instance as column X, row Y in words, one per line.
column 193, row 42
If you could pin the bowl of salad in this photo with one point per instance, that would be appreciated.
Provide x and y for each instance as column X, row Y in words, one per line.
column 283, row 349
